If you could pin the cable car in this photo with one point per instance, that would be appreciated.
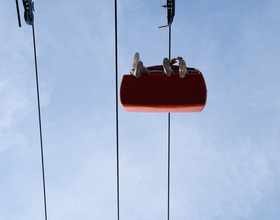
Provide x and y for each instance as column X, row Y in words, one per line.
column 158, row 92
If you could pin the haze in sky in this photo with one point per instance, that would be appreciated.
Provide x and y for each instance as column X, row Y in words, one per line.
column 225, row 161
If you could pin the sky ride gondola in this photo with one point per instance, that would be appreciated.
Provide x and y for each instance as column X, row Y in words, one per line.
column 158, row 92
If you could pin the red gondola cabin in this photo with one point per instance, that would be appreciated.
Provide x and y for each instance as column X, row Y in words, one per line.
column 157, row 92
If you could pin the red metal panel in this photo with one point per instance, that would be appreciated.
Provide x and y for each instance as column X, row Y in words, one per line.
column 160, row 93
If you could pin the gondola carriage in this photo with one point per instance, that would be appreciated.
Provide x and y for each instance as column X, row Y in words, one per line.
column 158, row 92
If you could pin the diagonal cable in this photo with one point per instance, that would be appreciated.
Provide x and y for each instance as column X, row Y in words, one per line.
column 40, row 124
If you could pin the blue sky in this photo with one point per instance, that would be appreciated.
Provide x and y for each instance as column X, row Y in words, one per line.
column 225, row 160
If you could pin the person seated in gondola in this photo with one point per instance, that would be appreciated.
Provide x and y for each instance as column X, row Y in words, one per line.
column 138, row 68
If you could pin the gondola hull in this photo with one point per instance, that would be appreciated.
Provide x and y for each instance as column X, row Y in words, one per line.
column 160, row 93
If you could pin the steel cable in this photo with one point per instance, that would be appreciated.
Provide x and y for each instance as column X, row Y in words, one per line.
column 169, row 137
column 40, row 124
column 117, row 109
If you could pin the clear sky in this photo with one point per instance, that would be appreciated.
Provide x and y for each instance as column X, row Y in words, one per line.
column 225, row 161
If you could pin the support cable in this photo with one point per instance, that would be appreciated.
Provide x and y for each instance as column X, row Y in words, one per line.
column 117, row 111
column 168, row 195
column 40, row 124
column 169, row 42
column 168, row 203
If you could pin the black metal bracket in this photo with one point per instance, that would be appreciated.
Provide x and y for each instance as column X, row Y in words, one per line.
column 28, row 12
column 170, row 12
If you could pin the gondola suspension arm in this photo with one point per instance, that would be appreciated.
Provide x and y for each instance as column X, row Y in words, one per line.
column 170, row 12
